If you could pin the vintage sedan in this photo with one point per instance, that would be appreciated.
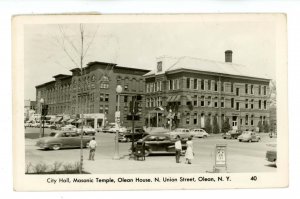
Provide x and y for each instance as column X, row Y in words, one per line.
column 232, row 134
column 181, row 132
column 199, row 133
column 87, row 130
column 249, row 136
column 139, row 133
column 62, row 139
column 159, row 144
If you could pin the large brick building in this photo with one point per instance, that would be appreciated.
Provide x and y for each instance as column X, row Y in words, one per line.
column 93, row 92
column 196, row 90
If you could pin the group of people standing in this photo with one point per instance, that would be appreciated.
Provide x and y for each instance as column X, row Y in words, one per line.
column 189, row 154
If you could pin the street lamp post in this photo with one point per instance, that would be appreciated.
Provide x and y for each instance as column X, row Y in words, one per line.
column 41, row 111
column 117, row 118
column 170, row 119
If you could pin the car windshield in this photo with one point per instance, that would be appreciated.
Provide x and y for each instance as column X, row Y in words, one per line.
column 246, row 133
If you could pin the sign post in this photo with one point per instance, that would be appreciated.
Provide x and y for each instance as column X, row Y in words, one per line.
column 220, row 158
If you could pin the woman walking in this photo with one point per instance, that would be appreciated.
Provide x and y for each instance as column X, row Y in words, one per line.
column 189, row 154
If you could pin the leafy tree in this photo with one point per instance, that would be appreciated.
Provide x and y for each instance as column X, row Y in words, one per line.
column 226, row 126
column 266, row 127
column 208, row 126
column 216, row 128
column 260, row 126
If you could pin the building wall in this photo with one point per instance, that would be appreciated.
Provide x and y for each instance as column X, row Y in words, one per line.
column 94, row 91
column 190, row 116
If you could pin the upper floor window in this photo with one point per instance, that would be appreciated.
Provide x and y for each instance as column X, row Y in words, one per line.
column 188, row 82
column 195, row 83
column 222, row 86
column 265, row 90
column 232, row 87
column 216, row 102
column 202, row 84
column 232, row 102
column 237, row 91
column 170, row 85
column 222, row 102
column 202, row 101
column 252, row 104
column 251, row 90
column 246, row 88
column 259, row 90
column 246, row 103
column 209, row 101
column 216, row 86
column 265, row 104
column 209, row 85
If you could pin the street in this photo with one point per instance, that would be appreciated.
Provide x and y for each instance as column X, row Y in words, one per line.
column 241, row 157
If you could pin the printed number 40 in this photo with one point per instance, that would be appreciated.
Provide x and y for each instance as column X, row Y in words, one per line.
column 253, row 178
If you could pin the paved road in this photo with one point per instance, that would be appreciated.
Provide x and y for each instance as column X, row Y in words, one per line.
column 242, row 157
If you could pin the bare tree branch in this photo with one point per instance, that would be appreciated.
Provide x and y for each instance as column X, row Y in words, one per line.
column 91, row 41
column 67, row 39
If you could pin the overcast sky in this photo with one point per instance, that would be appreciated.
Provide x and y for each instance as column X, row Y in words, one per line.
column 138, row 45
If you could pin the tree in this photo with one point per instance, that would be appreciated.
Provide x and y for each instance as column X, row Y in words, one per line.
column 272, row 93
column 208, row 126
column 266, row 127
column 226, row 126
column 216, row 128
column 76, row 47
column 260, row 126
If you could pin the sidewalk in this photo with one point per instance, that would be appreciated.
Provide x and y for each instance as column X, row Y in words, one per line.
column 152, row 164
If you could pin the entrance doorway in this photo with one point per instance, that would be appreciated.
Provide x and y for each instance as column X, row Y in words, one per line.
column 234, row 121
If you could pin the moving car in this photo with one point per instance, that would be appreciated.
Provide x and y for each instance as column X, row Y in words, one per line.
column 199, row 133
column 232, row 134
column 139, row 133
column 249, row 136
column 181, row 132
column 159, row 143
column 62, row 139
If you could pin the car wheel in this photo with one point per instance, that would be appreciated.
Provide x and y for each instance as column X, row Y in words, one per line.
column 147, row 152
column 204, row 136
column 56, row 147
column 240, row 140
column 258, row 140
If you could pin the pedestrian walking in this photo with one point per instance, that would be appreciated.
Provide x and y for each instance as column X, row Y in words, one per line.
column 178, row 148
column 92, row 146
column 189, row 154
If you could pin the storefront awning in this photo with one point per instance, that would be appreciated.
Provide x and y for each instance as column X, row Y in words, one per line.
column 189, row 98
column 71, row 120
column 58, row 119
column 177, row 98
column 169, row 98
column 79, row 121
column 52, row 119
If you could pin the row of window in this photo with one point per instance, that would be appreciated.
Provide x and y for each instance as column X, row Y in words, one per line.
column 210, row 102
column 154, row 87
column 205, row 85
column 193, row 119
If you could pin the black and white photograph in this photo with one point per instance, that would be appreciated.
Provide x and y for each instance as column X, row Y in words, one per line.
column 121, row 102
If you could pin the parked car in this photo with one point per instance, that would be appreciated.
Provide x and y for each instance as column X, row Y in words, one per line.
column 159, row 143
column 249, row 136
column 69, row 127
column 114, row 129
column 181, row 132
column 107, row 127
column 199, row 133
column 99, row 129
column 35, row 125
column 62, row 139
column 271, row 154
column 232, row 134
column 27, row 124
column 139, row 133
column 87, row 130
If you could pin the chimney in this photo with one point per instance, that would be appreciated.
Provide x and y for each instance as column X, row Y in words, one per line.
column 228, row 56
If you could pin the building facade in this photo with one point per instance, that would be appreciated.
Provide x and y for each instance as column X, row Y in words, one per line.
column 92, row 92
column 190, row 92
